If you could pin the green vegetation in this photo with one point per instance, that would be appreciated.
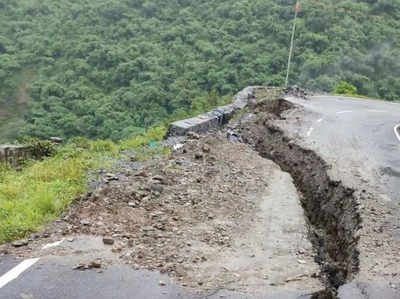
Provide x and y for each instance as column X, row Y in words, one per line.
column 41, row 191
column 110, row 69
column 345, row 88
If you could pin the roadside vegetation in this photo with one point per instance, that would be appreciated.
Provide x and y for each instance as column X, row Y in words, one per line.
column 348, row 90
column 345, row 88
column 39, row 192
column 42, row 189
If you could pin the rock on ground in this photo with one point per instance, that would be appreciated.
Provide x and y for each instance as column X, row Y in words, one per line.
column 212, row 215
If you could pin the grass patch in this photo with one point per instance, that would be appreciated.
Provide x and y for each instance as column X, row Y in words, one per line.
column 147, row 145
column 148, row 153
column 43, row 189
column 151, row 135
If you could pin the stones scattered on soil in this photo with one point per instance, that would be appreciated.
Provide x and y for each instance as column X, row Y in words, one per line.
column 297, row 91
column 206, row 148
column 20, row 243
column 96, row 264
column 111, row 177
column 160, row 179
column 108, row 241
column 174, row 215
column 85, row 222
column 192, row 135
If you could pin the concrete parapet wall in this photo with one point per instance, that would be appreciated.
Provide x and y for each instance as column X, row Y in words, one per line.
column 14, row 155
column 215, row 118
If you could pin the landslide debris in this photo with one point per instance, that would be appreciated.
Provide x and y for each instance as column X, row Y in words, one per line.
column 213, row 215
column 182, row 214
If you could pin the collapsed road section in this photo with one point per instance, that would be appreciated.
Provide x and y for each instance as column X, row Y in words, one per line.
column 331, row 208
column 214, row 215
column 259, row 218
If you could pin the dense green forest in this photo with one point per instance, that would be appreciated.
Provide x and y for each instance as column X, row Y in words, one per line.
column 111, row 68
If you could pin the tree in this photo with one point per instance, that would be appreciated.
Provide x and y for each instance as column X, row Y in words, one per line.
column 102, row 68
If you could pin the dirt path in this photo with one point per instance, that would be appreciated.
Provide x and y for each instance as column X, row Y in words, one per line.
column 270, row 251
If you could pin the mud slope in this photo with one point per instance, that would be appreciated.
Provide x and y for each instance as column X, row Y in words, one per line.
column 330, row 207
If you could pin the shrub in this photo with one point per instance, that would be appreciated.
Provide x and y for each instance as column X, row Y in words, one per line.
column 40, row 148
column 345, row 88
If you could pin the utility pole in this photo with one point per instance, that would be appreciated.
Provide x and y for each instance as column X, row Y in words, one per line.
column 292, row 42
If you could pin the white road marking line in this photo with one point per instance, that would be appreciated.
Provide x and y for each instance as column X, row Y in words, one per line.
column 320, row 120
column 396, row 131
column 16, row 271
column 310, row 132
column 342, row 112
column 53, row 244
column 377, row 111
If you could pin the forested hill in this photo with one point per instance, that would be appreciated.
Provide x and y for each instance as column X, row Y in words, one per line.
column 109, row 68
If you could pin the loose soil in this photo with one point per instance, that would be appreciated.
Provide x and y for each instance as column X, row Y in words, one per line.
column 214, row 215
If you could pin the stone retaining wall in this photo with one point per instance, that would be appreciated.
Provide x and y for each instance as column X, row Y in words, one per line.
column 215, row 118
column 14, row 155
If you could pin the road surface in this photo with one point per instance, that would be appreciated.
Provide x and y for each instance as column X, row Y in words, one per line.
column 365, row 132
column 360, row 141
column 53, row 276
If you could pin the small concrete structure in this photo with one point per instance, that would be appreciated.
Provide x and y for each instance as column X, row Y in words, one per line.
column 215, row 118
column 14, row 155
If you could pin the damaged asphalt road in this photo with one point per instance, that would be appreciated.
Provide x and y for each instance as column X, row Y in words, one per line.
column 293, row 210
column 358, row 131
column 357, row 138
column 210, row 216
column 54, row 278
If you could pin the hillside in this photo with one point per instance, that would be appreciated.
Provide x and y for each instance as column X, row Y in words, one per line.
column 110, row 69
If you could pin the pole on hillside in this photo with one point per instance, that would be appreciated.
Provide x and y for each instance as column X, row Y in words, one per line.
column 292, row 43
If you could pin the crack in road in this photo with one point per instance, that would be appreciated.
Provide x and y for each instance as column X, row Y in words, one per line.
column 330, row 207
